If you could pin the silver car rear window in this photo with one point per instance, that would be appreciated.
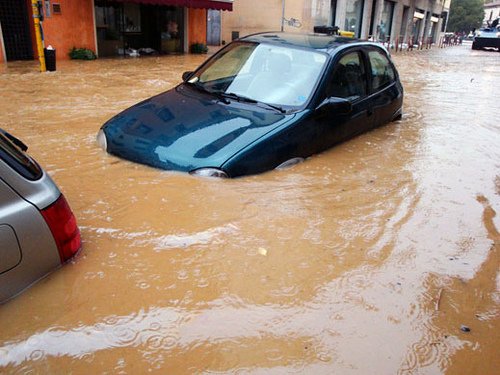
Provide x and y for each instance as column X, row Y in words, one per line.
column 18, row 160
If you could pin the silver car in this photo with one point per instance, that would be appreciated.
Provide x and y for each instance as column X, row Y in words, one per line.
column 38, row 231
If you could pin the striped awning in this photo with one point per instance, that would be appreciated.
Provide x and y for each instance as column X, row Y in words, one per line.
column 204, row 4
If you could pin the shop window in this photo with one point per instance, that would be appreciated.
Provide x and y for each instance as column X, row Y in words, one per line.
column 109, row 20
column 172, row 26
column 385, row 26
column 132, row 14
column 56, row 8
column 353, row 17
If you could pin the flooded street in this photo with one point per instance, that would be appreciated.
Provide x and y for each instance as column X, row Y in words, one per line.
column 366, row 259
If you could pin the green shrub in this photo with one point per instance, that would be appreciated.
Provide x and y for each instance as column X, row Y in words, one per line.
column 81, row 54
column 198, row 48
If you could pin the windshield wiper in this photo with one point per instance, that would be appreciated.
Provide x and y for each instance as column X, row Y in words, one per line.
column 217, row 94
column 245, row 99
column 276, row 107
column 224, row 96
column 240, row 98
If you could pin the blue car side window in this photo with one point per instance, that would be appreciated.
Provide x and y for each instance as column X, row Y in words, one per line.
column 382, row 73
column 348, row 79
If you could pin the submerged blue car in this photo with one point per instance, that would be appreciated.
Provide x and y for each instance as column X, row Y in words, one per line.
column 264, row 101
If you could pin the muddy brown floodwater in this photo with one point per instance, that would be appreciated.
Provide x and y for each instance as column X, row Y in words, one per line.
column 366, row 259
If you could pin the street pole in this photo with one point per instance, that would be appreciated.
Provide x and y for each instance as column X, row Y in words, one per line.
column 283, row 16
column 38, row 34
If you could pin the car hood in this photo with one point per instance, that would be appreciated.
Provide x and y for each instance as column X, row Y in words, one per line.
column 184, row 129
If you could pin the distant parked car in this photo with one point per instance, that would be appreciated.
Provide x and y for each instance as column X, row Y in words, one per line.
column 264, row 101
column 38, row 231
column 488, row 37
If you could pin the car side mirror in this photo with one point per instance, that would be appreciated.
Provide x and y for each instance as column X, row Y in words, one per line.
column 186, row 75
column 335, row 105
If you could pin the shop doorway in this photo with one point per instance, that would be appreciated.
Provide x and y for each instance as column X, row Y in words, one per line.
column 333, row 12
column 353, row 17
column 15, row 28
column 384, row 28
column 418, row 17
column 404, row 22
column 213, row 27
column 109, row 21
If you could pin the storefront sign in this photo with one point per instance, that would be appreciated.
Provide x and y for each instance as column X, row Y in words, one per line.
column 418, row 15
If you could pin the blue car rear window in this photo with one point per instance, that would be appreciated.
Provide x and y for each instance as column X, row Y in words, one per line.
column 18, row 159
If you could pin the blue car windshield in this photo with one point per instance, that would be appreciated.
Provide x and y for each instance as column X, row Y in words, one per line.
column 266, row 73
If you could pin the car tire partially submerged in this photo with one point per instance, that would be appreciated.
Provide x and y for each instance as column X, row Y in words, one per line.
column 289, row 163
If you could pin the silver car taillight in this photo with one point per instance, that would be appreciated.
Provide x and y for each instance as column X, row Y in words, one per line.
column 62, row 224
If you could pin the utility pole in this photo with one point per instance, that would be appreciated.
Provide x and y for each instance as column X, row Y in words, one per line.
column 38, row 34
column 283, row 16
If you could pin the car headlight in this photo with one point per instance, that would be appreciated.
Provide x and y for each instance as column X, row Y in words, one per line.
column 101, row 140
column 209, row 172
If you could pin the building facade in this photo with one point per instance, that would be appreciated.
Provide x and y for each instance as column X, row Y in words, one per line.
column 109, row 27
column 380, row 20
column 491, row 11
